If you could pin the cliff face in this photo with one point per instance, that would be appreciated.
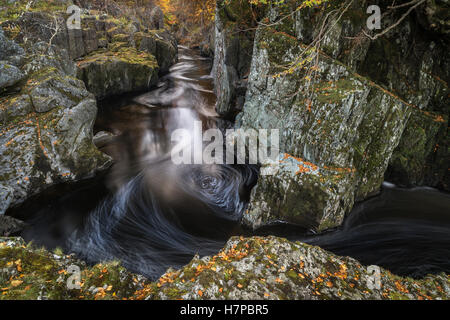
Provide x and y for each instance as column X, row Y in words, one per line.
column 232, row 54
column 352, row 111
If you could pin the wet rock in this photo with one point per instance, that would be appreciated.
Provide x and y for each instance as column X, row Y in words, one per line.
column 9, row 226
column 276, row 269
column 421, row 159
column 103, row 138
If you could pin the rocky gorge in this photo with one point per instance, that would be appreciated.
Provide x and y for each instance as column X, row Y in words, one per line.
column 352, row 112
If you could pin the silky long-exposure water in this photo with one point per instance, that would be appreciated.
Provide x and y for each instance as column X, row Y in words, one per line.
column 151, row 214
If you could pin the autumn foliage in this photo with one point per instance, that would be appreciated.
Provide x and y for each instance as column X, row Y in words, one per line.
column 191, row 12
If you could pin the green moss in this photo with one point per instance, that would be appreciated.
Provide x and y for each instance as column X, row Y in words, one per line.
column 30, row 273
column 123, row 53
column 120, row 38
column 12, row 11
column 335, row 92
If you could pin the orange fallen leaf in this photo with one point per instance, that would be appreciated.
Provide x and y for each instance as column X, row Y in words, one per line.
column 16, row 283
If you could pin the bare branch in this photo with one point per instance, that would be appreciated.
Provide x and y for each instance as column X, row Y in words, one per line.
column 417, row 3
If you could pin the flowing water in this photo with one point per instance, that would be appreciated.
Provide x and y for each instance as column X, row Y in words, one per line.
column 152, row 214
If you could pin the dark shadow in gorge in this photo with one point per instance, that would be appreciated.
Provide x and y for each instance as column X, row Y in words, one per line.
column 151, row 214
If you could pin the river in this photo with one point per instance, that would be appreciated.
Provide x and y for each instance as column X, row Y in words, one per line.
column 152, row 214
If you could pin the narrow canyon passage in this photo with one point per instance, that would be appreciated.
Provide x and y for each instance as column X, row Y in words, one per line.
column 151, row 214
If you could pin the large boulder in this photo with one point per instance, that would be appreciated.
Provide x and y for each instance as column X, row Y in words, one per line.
column 342, row 121
column 276, row 269
column 46, row 129
column 255, row 268
column 108, row 73
column 418, row 74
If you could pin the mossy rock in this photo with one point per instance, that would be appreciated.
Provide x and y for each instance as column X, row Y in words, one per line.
column 276, row 269
column 31, row 273
column 255, row 268
column 122, row 70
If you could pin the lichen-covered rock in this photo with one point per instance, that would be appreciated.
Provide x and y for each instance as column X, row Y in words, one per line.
column 273, row 268
column 334, row 109
column 46, row 129
column 313, row 197
column 345, row 124
column 419, row 74
column 29, row 273
column 254, row 268
column 48, row 116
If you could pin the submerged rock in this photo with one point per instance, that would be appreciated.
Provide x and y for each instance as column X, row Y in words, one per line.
column 103, row 138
